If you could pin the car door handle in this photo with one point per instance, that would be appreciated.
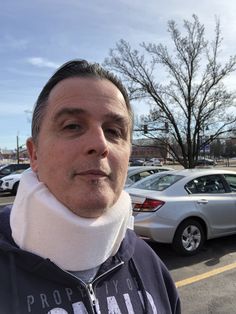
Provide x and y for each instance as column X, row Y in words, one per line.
column 203, row 201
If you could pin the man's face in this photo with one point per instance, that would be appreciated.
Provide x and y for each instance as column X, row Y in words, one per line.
column 83, row 147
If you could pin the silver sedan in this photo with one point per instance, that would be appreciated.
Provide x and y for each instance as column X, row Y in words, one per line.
column 185, row 207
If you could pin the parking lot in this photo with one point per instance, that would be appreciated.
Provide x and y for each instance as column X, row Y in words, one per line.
column 206, row 282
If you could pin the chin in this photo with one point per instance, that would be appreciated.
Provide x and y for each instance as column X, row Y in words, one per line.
column 91, row 209
column 88, row 213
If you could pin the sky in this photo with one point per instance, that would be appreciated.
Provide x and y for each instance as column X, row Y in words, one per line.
column 38, row 36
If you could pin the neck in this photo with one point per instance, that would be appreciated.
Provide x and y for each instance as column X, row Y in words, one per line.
column 42, row 225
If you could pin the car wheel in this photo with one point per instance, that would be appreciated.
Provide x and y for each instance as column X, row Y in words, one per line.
column 15, row 188
column 189, row 237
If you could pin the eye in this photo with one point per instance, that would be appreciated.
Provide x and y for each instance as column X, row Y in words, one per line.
column 113, row 132
column 72, row 127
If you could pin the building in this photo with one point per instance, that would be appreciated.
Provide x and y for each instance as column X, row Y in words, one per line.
column 147, row 148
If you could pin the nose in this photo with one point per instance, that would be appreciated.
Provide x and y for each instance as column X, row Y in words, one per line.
column 97, row 143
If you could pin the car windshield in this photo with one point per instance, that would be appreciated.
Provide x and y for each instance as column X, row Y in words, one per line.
column 158, row 183
column 18, row 171
column 130, row 170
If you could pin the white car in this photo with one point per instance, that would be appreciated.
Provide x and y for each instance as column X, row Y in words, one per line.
column 10, row 183
column 153, row 162
column 185, row 207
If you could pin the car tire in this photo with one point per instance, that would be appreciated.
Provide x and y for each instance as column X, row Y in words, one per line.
column 15, row 188
column 189, row 237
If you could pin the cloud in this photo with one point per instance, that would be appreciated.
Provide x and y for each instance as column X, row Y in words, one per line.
column 9, row 42
column 42, row 63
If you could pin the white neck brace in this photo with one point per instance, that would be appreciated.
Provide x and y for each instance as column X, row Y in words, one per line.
column 42, row 225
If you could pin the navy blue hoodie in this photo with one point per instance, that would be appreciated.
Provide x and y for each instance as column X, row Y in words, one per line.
column 134, row 281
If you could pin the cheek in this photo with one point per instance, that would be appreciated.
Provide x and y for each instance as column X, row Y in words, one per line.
column 48, row 160
column 122, row 161
column 52, row 151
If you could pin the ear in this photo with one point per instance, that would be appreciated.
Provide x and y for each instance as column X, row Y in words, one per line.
column 32, row 152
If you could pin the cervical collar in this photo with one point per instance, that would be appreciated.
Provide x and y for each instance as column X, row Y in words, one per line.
column 42, row 225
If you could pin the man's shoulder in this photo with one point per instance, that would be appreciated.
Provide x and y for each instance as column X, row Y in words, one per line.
column 139, row 249
column 154, row 274
column 147, row 259
column 142, row 247
column 5, row 228
column 5, row 216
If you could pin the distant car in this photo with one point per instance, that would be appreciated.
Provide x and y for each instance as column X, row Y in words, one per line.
column 10, row 168
column 206, row 162
column 153, row 162
column 136, row 162
column 10, row 183
column 136, row 173
column 185, row 207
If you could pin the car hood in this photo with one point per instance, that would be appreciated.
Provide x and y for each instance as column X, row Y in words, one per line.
column 12, row 176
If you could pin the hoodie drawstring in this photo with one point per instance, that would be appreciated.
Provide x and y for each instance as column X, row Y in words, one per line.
column 13, row 280
column 147, row 306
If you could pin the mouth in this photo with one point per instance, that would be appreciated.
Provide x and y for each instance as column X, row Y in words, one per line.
column 93, row 173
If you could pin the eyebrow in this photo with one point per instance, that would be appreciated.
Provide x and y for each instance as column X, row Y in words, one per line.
column 79, row 111
column 69, row 112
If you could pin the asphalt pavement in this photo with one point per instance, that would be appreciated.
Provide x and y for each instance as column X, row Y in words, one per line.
column 206, row 282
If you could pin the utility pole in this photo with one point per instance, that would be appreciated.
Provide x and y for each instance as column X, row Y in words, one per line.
column 17, row 149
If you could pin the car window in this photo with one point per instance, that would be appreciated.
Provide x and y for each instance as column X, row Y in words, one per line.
column 231, row 180
column 18, row 171
column 159, row 183
column 5, row 171
column 141, row 175
column 136, row 177
column 211, row 184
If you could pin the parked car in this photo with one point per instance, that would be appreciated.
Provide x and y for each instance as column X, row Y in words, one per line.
column 10, row 168
column 136, row 162
column 153, row 162
column 185, row 207
column 136, row 173
column 10, row 183
column 206, row 162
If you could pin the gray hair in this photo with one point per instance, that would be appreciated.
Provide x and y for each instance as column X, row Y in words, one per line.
column 73, row 68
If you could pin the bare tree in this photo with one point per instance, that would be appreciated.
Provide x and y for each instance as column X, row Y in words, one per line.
column 193, row 100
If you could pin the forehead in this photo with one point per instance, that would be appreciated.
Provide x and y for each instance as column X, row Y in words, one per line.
column 88, row 94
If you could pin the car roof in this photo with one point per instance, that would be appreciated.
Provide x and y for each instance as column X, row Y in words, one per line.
column 201, row 171
column 136, row 169
column 186, row 173
column 177, row 188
